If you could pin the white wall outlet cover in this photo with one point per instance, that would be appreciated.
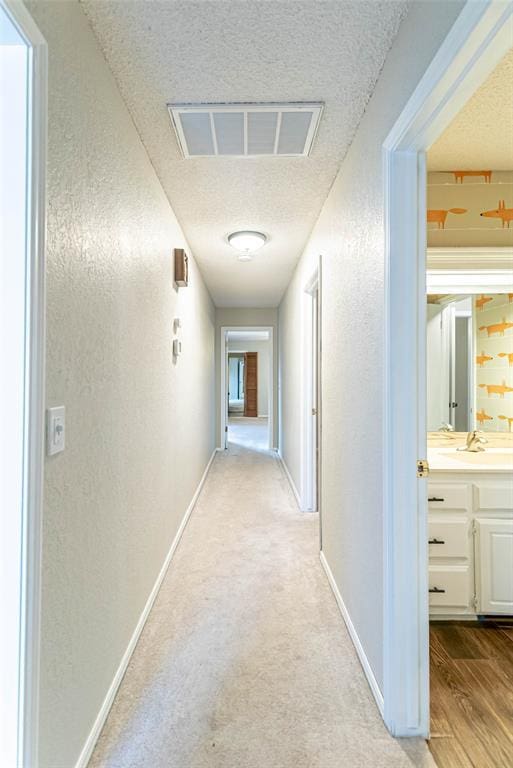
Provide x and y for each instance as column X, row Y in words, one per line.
column 55, row 430
column 177, row 347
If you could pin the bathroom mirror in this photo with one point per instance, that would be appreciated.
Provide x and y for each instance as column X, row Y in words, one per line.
column 469, row 362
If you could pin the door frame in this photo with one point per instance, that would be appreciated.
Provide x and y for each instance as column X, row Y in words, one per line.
column 33, row 428
column 223, row 402
column 309, row 483
column 476, row 43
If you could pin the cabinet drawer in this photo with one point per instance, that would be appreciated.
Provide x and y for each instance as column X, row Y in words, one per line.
column 449, row 495
column 448, row 537
column 452, row 585
column 494, row 495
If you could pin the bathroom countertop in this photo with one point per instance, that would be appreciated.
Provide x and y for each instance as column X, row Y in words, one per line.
column 447, row 458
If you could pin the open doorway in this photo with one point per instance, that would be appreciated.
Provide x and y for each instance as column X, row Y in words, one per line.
column 311, row 418
column 247, row 387
column 478, row 41
column 469, row 444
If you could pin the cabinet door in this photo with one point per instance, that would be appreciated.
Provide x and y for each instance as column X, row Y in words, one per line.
column 494, row 566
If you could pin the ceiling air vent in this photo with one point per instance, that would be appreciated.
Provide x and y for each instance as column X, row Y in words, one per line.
column 245, row 130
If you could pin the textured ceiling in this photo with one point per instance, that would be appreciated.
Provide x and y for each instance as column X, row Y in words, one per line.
column 239, row 51
column 481, row 134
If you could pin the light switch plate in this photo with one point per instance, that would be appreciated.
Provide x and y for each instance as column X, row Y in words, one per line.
column 55, row 430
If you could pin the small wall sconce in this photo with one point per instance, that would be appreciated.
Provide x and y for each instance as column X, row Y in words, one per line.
column 181, row 268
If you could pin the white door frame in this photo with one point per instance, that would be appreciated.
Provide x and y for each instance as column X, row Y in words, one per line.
column 478, row 40
column 224, row 384
column 308, row 491
column 29, row 554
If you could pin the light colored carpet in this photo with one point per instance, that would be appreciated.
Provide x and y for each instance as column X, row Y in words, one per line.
column 248, row 432
column 245, row 661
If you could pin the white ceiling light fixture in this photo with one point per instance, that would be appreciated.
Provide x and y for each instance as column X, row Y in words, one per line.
column 246, row 130
column 247, row 242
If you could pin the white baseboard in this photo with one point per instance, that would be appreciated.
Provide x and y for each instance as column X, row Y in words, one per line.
column 94, row 734
column 369, row 674
column 289, row 478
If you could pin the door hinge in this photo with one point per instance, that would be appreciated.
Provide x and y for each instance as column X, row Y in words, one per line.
column 474, row 528
column 474, row 602
column 314, row 411
column 422, row 468
column 226, row 429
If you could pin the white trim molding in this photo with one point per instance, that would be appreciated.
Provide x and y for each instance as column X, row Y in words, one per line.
column 478, row 40
column 367, row 669
column 33, row 441
column 94, row 734
column 290, row 479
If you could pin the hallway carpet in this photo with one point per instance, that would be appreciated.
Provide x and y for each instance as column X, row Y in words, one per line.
column 249, row 432
column 245, row 661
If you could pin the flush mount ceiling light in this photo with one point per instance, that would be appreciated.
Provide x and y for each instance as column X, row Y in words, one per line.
column 246, row 242
column 246, row 130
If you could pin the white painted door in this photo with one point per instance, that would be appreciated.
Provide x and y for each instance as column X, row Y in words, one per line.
column 315, row 400
column 438, row 369
column 494, row 566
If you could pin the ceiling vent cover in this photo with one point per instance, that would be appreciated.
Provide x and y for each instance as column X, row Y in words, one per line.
column 245, row 130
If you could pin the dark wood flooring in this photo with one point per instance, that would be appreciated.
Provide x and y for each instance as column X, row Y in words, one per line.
column 471, row 670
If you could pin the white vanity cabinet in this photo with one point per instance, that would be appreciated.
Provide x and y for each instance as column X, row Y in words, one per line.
column 470, row 534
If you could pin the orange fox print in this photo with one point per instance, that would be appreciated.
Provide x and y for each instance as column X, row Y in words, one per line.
column 439, row 217
column 506, row 214
column 482, row 300
column 509, row 355
column 482, row 359
column 499, row 328
column 496, row 389
column 509, row 419
column 482, row 416
column 460, row 175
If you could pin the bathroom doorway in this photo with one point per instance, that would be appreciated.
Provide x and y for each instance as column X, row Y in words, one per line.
column 479, row 39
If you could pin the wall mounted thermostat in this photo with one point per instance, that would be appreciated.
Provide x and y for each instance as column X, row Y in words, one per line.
column 55, row 430
column 177, row 347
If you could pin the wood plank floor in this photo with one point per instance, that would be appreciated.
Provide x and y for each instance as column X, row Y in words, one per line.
column 471, row 670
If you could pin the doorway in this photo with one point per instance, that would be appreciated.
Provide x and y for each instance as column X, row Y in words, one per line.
column 22, row 212
column 247, row 382
column 479, row 39
column 311, row 420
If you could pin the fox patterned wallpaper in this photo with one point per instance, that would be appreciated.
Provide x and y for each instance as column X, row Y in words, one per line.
column 470, row 208
column 493, row 328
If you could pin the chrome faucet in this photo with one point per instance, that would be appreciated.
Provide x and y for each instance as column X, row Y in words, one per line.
column 475, row 440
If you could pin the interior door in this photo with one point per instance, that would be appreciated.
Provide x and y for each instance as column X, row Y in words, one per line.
column 251, row 384
column 438, row 366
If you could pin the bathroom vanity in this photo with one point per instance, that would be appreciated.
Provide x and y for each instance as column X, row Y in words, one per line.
column 470, row 527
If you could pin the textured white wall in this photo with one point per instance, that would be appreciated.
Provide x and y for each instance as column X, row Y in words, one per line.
column 262, row 348
column 235, row 316
column 115, row 497
column 349, row 235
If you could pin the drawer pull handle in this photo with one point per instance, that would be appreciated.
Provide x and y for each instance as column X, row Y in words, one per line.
column 435, row 498
column 436, row 590
column 436, row 541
